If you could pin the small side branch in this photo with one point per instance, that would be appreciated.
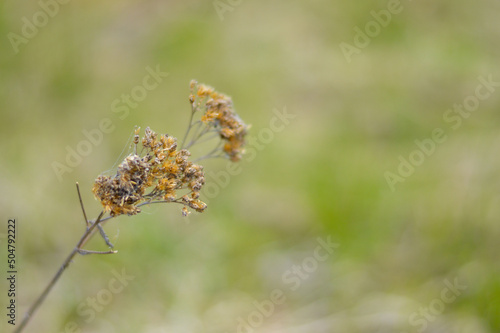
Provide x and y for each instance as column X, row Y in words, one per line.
column 81, row 204
column 193, row 111
column 86, row 252
column 106, row 238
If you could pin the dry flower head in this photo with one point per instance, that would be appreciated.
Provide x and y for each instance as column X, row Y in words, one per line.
column 160, row 168
column 219, row 116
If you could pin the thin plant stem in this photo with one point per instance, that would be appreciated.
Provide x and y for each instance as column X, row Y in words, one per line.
column 83, row 240
column 81, row 204
column 178, row 201
column 198, row 135
column 215, row 135
column 199, row 125
column 106, row 238
column 193, row 111
column 210, row 154
column 85, row 252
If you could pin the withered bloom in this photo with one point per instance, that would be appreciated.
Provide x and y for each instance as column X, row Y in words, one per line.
column 162, row 170
column 219, row 116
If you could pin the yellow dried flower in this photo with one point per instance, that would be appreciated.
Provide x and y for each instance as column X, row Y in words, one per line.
column 219, row 116
column 162, row 169
column 204, row 90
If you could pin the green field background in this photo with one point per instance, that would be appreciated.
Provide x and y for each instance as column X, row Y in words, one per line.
column 321, row 174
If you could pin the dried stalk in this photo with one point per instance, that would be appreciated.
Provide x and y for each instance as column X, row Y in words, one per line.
column 78, row 248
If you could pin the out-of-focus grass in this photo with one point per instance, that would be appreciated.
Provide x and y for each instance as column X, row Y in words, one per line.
column 323, row 175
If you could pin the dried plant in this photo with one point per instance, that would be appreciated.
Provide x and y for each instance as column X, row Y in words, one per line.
column 159, row 171
column 162, row 169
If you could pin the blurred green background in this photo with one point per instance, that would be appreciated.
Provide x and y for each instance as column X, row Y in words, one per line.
column 322, row 176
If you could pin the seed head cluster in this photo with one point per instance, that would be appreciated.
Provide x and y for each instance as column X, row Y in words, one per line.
column 160, row 171
column 220, row 115
column 159, row 168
